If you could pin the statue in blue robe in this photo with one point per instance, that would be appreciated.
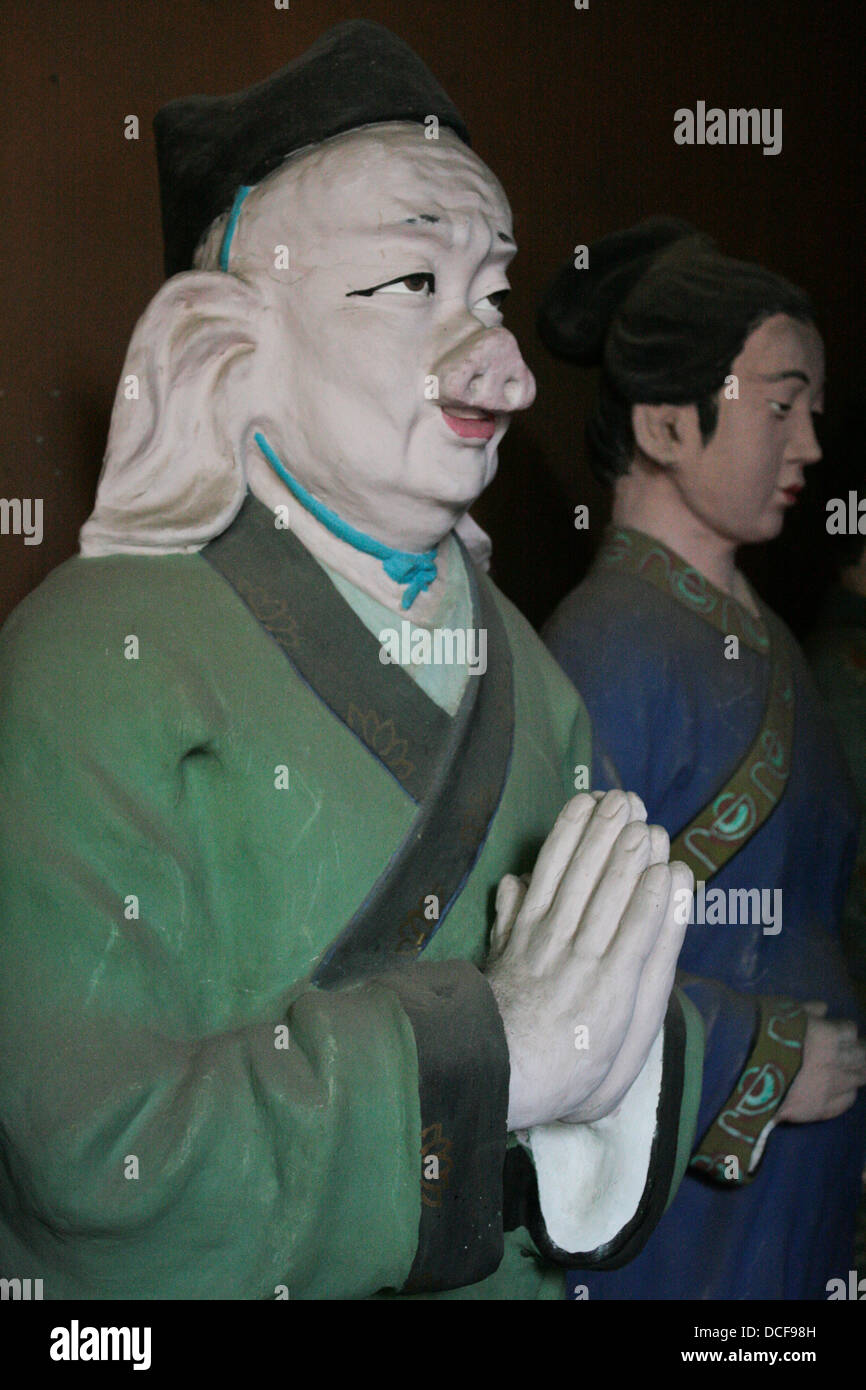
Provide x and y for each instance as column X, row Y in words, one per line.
column 711, row 372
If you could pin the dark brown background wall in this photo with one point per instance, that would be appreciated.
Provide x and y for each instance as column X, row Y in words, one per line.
column 573, row 109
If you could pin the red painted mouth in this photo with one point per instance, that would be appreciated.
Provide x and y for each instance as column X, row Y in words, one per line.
column 471, row 424
column 793, row 492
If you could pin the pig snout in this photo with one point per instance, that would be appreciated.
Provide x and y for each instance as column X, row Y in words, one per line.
column 486, row 372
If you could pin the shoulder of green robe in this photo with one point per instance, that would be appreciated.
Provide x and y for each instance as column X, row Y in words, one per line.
column 103, row 640
column 92, row 619
column 84, row 603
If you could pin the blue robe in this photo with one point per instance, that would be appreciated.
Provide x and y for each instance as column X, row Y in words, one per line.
column 677, row 716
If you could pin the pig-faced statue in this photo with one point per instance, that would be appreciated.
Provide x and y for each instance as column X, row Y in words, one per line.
column 326, row 938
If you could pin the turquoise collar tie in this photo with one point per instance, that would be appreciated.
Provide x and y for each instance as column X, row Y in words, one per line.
column 416, row 570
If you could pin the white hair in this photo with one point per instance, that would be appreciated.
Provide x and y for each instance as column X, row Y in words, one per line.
column 173, row 476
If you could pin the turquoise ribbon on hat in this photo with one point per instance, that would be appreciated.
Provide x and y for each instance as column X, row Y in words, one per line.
column 416, row 570
column 232, row 223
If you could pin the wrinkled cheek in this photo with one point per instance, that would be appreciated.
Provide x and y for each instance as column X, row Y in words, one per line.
column 381, row 382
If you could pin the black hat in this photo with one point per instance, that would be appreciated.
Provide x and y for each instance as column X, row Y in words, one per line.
column 356, row 74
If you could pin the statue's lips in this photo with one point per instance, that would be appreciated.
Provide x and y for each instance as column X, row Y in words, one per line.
column 471, row 424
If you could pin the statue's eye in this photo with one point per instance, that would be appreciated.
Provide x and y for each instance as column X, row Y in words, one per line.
column 494, row 300
column 422, row 284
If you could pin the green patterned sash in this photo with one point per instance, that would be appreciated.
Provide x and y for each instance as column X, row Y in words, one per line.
column 752, row 792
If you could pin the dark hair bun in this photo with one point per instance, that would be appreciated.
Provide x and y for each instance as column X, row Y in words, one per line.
column 577, row 308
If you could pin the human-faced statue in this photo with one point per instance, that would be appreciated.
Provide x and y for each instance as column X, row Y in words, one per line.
column 740, row 483
column 383, row 376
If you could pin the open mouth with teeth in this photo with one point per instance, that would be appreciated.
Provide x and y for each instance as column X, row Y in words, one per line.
column 470, row 424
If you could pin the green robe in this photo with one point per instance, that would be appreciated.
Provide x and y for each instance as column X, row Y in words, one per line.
column 185, row 828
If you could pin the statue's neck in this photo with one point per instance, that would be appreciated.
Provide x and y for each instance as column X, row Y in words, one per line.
column 366, row 572
column 659, row 511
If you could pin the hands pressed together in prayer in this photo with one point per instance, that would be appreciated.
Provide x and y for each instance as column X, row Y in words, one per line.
column 589, row 941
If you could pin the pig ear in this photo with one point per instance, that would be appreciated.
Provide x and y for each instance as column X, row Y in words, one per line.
column 172, row 476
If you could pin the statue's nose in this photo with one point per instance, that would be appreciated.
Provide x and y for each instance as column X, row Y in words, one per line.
column 486, row 372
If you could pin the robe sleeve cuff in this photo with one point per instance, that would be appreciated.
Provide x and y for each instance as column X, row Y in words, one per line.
column 590, row 1195
column 463, row 1077
column 733, row 1146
